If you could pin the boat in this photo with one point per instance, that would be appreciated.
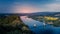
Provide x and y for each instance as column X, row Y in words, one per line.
column 35, row 25
column 44, row 24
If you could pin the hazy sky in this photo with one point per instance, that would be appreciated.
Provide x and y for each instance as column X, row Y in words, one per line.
column 29, row 6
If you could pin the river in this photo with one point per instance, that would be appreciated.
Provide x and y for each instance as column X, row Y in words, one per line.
column 40, row 28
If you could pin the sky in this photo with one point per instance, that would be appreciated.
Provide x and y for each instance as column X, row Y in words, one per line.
column 29, row 6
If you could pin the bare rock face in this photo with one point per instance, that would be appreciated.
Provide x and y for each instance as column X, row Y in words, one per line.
column 12, row 24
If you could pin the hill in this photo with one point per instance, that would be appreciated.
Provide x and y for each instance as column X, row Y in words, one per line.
column 12, row 24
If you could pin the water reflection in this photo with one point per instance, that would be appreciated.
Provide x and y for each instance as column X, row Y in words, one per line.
column 40, row 28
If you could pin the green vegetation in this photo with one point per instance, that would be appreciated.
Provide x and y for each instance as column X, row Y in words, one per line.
column 55, row 21
column 12, row 24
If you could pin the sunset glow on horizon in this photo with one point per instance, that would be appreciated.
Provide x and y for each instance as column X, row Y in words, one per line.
column 25, row 9
column 29, row 6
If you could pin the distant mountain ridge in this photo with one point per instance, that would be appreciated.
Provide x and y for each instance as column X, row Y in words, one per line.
column 32, row 14
column 45, row 13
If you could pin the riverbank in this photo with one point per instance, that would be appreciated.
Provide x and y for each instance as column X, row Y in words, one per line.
column 40, row 28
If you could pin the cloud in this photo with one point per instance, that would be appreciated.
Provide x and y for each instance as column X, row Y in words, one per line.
column 57, row 0
column 51, row 7
column 37, row 6
column 54, row 7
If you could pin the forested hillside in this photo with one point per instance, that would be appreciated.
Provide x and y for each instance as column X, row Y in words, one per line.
column 12, row 24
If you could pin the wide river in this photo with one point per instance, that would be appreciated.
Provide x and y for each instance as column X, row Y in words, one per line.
column 40, row 28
